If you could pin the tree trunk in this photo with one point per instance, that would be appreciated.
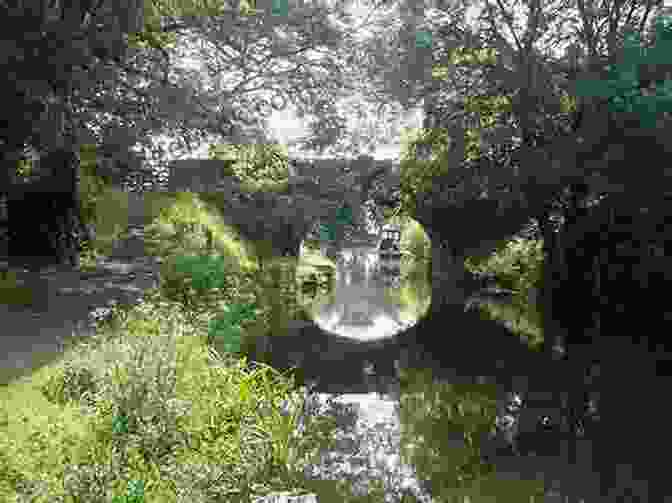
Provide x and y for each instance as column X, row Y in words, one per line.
column 45, row 222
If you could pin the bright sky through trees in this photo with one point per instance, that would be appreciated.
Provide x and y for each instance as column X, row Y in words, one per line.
column 284, row 126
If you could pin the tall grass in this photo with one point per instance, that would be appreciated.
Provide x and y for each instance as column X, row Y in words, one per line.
column 159, row 405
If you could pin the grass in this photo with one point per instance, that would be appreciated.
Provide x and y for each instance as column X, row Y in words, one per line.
column 149, row 409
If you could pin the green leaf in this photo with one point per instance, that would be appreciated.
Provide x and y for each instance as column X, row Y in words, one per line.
column 120, row 424
column 280, row 8
column 423, row 39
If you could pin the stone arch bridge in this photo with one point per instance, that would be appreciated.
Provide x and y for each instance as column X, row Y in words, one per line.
column 316, row 188
column 314, row 191
column 458, row 222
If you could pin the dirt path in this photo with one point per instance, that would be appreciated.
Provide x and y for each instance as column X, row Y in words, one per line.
column 63, row 300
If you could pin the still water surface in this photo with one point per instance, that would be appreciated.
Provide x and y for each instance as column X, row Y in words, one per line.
column 413, row 421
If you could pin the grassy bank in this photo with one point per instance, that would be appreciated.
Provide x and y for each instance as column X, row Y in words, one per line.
column 153, row 408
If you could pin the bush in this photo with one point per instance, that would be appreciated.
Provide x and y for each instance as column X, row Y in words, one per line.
column 211, row 292
column 226, row 329
column 195, row 281
column 144, row 438
column 517, row 266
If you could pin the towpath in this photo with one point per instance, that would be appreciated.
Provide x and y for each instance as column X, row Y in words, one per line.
column 64, row 301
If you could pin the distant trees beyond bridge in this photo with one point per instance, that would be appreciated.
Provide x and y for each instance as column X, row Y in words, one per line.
column 284, row 216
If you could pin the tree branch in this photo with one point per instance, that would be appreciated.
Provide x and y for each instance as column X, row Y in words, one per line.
column 508, row 19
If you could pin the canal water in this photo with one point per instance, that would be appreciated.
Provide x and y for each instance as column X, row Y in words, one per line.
column 425, row 402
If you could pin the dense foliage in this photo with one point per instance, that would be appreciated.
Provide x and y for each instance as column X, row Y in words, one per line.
column 258, row 166
column 509, row 136
column 517, row 266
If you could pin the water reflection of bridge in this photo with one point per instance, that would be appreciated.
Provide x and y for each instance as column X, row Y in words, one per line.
column 360, row 367
column 342, row 365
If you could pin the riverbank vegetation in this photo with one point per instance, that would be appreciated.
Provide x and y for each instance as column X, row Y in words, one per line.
column 158, row 402
column 515, row 267
column 508, row 137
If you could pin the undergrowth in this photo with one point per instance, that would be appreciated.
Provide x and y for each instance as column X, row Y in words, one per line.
column 159, row 405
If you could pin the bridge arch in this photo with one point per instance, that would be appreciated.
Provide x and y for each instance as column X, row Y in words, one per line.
column 315, row 189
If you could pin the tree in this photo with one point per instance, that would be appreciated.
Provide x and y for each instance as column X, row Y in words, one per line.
column 548, row 150
column 537, row 119
column 578, row 152
column 234, row 108
column 139, row 92
column 256, row 164
column 47, row 97
column 285, row 201
column 353, row 127
column 517, row 57
column 363, row 125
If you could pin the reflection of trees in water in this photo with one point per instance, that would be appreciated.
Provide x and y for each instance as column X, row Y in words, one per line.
column 360, row 454
column 432, row 411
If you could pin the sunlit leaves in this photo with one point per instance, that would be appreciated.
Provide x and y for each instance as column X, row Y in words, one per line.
column 152, row 35
column 488, row 108
column 517, row 264
column 355, row 127
column 568, row 103
column 417, row 175
column 440, row 72
column 466, row 55
column 255, row 164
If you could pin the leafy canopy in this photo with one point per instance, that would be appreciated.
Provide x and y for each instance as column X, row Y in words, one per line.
column 256, row 165
column 623, row 88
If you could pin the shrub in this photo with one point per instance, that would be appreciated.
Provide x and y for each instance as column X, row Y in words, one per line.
column 134, row 416
column 517, row 266
column 195, row 281
column 226, row 329
column 143, row 438
column 213, row 295
column 141, row 444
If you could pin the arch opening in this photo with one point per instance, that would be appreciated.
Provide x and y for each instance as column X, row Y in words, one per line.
column 367, row 288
